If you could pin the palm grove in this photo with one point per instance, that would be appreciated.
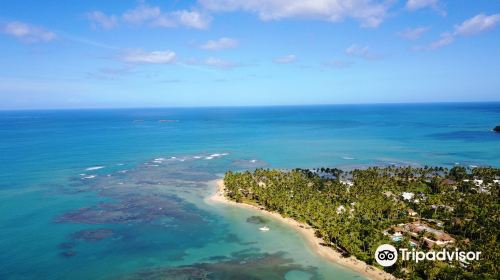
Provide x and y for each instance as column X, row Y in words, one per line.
column 353, row 211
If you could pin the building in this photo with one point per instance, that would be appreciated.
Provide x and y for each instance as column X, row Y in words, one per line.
column 411, row 212
column 430, row 235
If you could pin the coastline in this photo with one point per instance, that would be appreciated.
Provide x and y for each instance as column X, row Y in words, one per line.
column 307, row 232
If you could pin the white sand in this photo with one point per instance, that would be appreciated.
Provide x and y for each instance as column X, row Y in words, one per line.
column 308, row 233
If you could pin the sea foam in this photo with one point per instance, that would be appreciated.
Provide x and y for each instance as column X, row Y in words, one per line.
column 94, row 168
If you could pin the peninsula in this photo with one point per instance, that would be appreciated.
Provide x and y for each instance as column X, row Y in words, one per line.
column 345, row 216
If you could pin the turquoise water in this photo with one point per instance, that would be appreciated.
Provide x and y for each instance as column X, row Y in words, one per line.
column 136, row 217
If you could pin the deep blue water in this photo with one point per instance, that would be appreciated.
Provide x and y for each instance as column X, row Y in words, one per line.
column 136, row 215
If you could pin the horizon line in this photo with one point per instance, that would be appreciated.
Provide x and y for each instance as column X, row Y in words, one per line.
column 246, row 106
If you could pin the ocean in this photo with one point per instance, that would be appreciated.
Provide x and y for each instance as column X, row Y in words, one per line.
column 120, row 193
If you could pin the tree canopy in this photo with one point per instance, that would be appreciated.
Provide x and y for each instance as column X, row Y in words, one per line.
column 351, row 210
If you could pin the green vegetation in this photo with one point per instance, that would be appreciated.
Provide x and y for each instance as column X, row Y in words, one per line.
column 356, row 211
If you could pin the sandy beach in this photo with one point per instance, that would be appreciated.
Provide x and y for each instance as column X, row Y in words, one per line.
column 308, row 234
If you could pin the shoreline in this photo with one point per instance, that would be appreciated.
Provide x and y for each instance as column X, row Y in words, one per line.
column 307, row 232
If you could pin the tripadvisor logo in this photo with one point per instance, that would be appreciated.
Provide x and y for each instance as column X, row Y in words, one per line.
column 387, row 255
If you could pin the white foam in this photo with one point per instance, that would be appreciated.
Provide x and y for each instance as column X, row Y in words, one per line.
column 212, row 156
column 253, row 161
column 160, row 159
column 197, row 157
column 348, row 158
column 94, row 168
column 120, row 164
column 89, row 177
column 173, row 157
column 123, row 171
column 154, row 165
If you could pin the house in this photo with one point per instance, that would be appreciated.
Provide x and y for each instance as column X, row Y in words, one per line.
column 411, row 212
column 448, row 182
column 407, row 195
column 398, row 231
column 387, row 193
column 347, row 183
column 431, row 236
column 446, row 207
column 395, row 233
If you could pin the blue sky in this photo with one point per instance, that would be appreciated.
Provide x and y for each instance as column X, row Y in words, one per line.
column 121, row 53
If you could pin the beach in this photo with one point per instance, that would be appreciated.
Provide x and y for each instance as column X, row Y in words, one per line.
column 307, row 232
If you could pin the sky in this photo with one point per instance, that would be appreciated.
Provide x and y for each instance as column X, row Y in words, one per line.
column 128, row 53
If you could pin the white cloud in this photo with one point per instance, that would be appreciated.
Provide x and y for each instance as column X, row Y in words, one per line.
column 28, row 33
column 361, row 51
column 100, row 20
column 444, row 40
column 214, row 62
column 219, row 44
column 164, row 20
column 153, row 16
column 141, row 14
column 154, row 57
column 192, row 19
column 477, row 24
column 421, row 4
column 369, row 13
column 472, row 26
column 285, row 59
column 413, row 33
column 219, row 62
column 414, row 5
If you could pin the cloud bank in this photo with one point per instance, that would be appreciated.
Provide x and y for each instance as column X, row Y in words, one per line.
column 151, row 16
column 368, row 13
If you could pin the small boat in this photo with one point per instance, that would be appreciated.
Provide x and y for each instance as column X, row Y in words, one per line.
column 264, row 229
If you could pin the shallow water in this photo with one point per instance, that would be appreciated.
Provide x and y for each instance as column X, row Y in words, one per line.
column 96, row 194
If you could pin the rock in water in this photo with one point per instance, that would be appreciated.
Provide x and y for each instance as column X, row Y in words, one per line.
column 93, row 235
column 68, row 254
column 256, row 220
column 497, row 128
